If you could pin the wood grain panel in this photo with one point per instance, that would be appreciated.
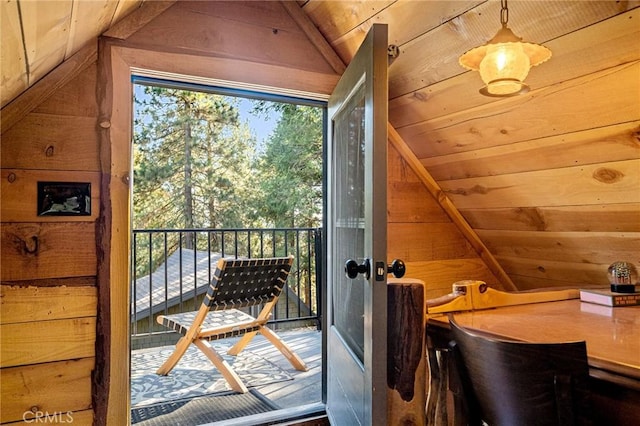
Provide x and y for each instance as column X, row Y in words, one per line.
column 315, row 37
column 54, row 282
column 46, row 341
column 407, row 20
column 76, row 98
column 144, row 13
column 576, row 247
column 399, row 168
column 606, row 183
column 28, row 304
column 40, row 91
column 550, row 270
column 46, row 38
column 436, row 192
column 13, row 72
column 243, row 38
column 55, row 142
column 525, row 283
column 125, row 7
column 57, row 387
column 408, row 200
column 111, row 388
column 89, row 19
column 411, row 202
column 596, row 100
column 261, row 77
column 334, row 19
column 596, row 218
column 263, row 14
column 429, row 59
column 427, row 241
column 20, row 194
column 610, row 143
column 439, row 275
column 47, row 250
column 602, row 45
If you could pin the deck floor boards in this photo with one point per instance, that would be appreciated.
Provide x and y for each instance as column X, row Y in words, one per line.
column 306, row 386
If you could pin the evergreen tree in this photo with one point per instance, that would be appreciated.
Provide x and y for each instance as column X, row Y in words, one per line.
column 190, row 157
column 291, row 168
column 195, row 165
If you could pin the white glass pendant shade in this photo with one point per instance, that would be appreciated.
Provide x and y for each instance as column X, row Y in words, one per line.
column 504, row 62
column 504, row 68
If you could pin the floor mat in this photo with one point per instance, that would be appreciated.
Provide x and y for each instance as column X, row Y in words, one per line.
column 194, row 375
column 201, row 410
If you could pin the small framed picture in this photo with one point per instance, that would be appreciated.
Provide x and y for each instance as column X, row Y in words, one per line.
column 64, row 199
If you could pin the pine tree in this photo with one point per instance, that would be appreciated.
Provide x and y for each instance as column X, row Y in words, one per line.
column 190, row 154
column 291, row 168
column 176, row 133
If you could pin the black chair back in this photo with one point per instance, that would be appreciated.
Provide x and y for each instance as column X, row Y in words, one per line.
column 239, row 283
column 516, row 383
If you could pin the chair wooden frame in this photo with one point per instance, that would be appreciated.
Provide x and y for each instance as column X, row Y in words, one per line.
column 236, row 283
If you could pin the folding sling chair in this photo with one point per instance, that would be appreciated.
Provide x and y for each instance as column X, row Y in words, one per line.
column 236, row 283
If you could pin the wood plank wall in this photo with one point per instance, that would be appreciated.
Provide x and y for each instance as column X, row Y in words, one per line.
column 550, row 180
column 55, row 132
column 421, row 233
column 48, row 293
column 49, row 264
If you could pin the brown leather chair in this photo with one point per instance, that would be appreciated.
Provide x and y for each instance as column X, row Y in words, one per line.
column 519, row 384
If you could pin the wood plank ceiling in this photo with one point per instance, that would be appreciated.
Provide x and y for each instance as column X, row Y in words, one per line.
column 549, row 180
column 37, row 36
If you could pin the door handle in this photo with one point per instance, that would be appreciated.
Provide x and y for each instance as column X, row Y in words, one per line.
column 397, row 268
column 352, row 268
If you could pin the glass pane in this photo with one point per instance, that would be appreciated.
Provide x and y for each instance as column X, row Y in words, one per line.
column 348, row 294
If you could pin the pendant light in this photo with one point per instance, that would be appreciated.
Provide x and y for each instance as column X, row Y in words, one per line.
column 505, row 60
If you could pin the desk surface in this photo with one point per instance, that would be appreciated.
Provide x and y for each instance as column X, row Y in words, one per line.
column 612, row 334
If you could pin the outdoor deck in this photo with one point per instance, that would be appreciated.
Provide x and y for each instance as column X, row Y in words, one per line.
column 261, row 366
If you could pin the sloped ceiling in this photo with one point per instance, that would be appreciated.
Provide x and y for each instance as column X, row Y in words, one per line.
column 549, row 180
column 37, row 36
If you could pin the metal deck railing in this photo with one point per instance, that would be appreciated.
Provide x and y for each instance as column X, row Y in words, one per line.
column 171, row 270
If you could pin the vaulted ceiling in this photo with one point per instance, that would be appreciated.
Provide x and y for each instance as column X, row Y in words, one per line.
column 39, row 35
column 549, row 180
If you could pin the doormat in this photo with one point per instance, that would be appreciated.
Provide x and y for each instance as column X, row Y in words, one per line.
column 194, row 375
column 201, row 410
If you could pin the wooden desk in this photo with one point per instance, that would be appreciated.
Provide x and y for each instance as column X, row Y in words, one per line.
column 612, row 336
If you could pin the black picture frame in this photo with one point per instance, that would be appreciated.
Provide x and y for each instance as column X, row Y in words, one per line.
column 64, row 199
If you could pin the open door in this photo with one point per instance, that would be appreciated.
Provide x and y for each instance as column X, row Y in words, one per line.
column 357, row 238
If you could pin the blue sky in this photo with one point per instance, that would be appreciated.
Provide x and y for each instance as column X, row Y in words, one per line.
column 260, row 127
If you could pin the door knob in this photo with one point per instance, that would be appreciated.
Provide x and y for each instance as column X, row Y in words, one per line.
column 352, row 268
column 397, row 268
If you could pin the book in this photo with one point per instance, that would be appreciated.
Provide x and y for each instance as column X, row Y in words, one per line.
column 608, row 298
